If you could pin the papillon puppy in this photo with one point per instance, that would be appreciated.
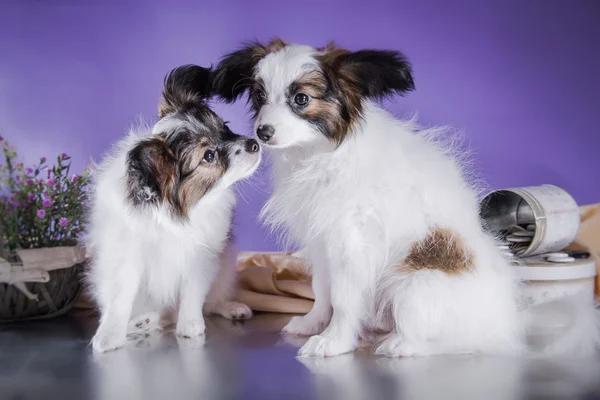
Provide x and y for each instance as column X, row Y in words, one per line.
column 382, row 208
column 160, row 223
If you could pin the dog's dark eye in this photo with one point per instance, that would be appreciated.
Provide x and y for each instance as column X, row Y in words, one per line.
column 261, row 97
column 209, row 156
column 301, row 99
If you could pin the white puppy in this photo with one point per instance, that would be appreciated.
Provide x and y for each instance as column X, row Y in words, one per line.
column 161, row 216
column 389, row 222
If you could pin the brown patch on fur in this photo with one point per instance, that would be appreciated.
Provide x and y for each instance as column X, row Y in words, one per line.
column 155, row 175
column 442, row 250
column 200, row 180
column 151, row 167
column 275, row 45
column 336, row 104
column 163, row 160
column 324, row 110
column 259, row 51
column 328, row 48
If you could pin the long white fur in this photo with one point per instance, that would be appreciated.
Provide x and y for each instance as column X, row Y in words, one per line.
column 145, row 263
column 358, row 208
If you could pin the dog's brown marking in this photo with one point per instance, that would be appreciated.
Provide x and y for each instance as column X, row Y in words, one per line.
column 259, row 51
column 275, row 45
column 182, row 183
column 198, row 177
column 341, row 107
column 442, row 250
column 324, row 109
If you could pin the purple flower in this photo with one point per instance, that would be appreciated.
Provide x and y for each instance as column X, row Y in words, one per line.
column 42, row 160
column 47, row 203
column 85, row 203
column 30, row 182
column 19, row 180
column 41, row 213
column 30, row 196
column 28, row 171
column 74, row 178
column 50, row 182
column 63, row 222
column 63, row 155
column 49, row 173
column 14, row 203
column 1, row 166
column 19, row 166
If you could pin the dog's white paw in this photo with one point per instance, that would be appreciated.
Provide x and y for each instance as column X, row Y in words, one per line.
column 190, row 328
column 196, row 342
column 144, row 340
column 234, row 310
column 103, row 342
column 304, row 326
column 397, row 346
column 331, row 366
column 146, row 322
column 322, row 346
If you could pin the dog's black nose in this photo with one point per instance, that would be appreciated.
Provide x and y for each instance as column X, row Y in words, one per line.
column 265, row 132
column 251, row 146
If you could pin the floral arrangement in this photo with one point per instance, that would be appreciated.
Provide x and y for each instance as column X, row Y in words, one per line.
column 41, row 205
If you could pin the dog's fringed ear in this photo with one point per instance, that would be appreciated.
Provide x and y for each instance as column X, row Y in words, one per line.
column 234, row 74
column 376, row 73
column 187, row 85
column 150, row 167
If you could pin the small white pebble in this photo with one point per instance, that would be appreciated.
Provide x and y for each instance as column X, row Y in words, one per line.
column 524, row 234
column 561, row 259
column 556, row 255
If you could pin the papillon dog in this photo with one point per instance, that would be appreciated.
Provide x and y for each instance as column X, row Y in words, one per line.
column 161, row 216
column 382, row 208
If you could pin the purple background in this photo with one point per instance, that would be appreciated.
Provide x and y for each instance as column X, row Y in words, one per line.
column 520, row 78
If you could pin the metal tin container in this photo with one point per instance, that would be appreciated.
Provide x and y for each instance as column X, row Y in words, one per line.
column 552, row 210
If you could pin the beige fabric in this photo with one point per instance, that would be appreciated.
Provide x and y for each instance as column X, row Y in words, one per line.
column 274, row 282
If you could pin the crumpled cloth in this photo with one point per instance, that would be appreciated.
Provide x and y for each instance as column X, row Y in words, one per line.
column 35, row 264
column 279, row 282
column 274, row 282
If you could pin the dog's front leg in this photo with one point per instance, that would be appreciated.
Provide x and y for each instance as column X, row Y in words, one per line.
column 349, row 281
column 319, row 316
column 116, row 293
column 192, row 294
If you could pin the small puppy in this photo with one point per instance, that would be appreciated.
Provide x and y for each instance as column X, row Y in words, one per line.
column 381, row 206
column 161, row 215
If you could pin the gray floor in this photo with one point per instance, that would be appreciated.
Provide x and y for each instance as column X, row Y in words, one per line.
column 52, row 360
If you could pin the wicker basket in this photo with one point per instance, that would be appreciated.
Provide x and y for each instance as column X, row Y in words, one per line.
column 39, row 283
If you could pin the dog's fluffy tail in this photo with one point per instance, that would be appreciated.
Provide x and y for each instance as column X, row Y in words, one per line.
column 565, row 327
